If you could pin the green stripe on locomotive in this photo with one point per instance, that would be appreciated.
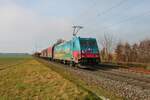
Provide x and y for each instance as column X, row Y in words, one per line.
column 63, row 51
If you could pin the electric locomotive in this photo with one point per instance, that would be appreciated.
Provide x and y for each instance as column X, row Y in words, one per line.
column 77, row 51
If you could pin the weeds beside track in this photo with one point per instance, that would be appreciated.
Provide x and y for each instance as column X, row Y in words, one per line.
column 120, row 82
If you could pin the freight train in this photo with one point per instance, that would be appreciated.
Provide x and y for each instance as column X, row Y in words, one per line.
column 74, row 52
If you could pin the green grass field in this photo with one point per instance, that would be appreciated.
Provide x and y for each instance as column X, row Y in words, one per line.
column 27, row 79
column 12, row 60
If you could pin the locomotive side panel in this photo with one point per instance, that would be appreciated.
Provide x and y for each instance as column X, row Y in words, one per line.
column 63, row 51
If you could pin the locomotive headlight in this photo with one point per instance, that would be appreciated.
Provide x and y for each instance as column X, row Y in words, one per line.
column 83, row 51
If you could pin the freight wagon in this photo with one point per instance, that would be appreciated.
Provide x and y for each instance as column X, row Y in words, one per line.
column 44, row 53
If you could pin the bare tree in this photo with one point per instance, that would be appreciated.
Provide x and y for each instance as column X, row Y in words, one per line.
column 108, row 44
column 127, row 49
column 120, row 52
column 134, row 53
column 144, row 51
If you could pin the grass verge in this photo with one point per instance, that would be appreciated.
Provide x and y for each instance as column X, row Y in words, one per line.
column 91, row 88
column 31, row 80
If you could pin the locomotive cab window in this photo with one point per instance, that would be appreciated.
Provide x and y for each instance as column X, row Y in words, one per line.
column 88, row 43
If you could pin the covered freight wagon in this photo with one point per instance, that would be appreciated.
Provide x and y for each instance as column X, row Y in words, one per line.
column 49, row 53
column 44, row 53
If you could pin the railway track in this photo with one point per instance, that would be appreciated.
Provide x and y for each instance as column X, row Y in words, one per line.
column 139, row 81
column 122, row 83
column 116, row 75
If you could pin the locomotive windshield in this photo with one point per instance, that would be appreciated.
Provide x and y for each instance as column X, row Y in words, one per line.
column 88, row 44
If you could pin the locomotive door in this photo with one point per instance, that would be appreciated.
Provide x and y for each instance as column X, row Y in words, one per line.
column 73, row 46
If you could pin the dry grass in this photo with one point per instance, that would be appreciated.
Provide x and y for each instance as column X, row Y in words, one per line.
column 93, row 89
column 32, row 80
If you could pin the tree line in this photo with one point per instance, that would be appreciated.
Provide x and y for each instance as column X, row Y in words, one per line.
column 133, row 53
column 125, row 52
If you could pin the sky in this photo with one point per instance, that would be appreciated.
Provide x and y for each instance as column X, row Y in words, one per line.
column 29, row 25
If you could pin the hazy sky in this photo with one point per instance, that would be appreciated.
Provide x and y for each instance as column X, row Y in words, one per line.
column 29, row 24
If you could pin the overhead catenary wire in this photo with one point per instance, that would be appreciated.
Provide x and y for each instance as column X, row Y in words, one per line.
column 107, row 10
column 87, row 10
column 111, row 8
column 129, row 19
column 124, row 20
